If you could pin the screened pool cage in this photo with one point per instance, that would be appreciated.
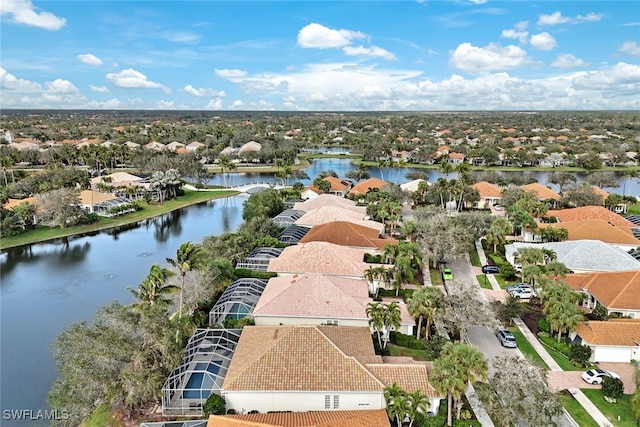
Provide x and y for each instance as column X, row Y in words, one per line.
column 288, row 217
column 205, row 364
column 258, row 259
column 293, row 234
column 237, row 301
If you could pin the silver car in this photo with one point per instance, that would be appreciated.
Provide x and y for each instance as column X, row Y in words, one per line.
column 506, row 338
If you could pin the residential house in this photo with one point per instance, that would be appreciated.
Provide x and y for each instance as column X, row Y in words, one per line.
column 412, row 186
column 597, row 229
column 358, row 418
column 327, row 214
column 103, row 204
column 318, row 299
column 363, row 187
column 173, row 146
column 490, row 195
column 339, row 187
column 251, row 146
column 542, row 193
column 310, row 192
column 615, row 340
column 154, row 145
column 329, row 200
column 582, row 256
column 194, row 146
column 456, row 158
column 590, row 212
column 349, row 234
column 314, row 368
column 618, row 292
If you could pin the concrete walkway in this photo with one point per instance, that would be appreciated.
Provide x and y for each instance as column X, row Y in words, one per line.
column 478, row 409
column 483, row 261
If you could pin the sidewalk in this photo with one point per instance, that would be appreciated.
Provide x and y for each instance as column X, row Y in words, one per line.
column 483, row 261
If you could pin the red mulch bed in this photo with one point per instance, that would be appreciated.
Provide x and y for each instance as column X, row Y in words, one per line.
column 531, row 318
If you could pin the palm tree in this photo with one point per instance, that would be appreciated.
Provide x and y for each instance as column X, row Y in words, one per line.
column 188, row 257
column 447, row 379
column 426, row 304
column 396, row 401
column 409, row 229
column 390, row 252
column 391, row 320
column 471, row 364
column 153, row 289
column 376, row 314
column 416, row 402
column 225, row 163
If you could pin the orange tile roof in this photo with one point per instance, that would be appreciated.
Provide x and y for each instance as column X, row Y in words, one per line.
column 600, row 192
column 88, row 197
column 456, row 156
column 329, row 200
column 299, row 358
column 326, row 214
column 615, row 290
column 362, row 418
column 596, row 229
column 320, row 257
column 591, row 212
column 541, row 192
column 12, row 203
column 347, row 234
column 337, row 184
column 622, row 332
column 487, row 189
column 366, row 185
column 410, row 377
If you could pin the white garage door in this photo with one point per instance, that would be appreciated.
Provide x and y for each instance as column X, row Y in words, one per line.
column 612, row 354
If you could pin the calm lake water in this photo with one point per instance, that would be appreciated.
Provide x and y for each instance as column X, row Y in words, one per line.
column 46, row 287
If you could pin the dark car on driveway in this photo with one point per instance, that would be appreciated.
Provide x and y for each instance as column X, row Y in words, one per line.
column 490, row 269
column 506, row 338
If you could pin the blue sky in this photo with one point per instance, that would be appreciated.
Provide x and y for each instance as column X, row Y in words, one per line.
column 320, row 55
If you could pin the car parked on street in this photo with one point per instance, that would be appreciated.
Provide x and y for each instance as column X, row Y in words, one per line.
column 490, row 269
column 447, row 274
column 506, row 338
column 595, row 376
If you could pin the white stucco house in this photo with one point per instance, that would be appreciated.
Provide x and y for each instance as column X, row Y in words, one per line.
column 614, row 340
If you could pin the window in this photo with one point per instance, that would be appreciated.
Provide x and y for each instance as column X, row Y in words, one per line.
column 327, row 401
column 336, row 401
column 333, row 322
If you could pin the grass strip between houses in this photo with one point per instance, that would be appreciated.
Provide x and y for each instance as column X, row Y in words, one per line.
column 526, row 348
column 577, row 412
column 621, row 409
column 42, row 233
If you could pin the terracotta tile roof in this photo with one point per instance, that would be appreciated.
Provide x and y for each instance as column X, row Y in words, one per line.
column 590, row 212
column 366, row 185
column 327, row 214
column 409, row 377
column 412, row 186
column 622, row 332
column 459, row 156
column 363, row 418
column 117, row 179
column 595, row 229
column 298, row 358
column 12, row 203
column 337, row 184
column 487, row 189
column 615, row 290
column 329, row 200
column 541, row 192
column 347, row 234
column 320, row 257
column 600, row 192
column 88, row 197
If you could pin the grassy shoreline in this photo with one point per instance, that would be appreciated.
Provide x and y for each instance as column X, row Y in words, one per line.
column 43, row 234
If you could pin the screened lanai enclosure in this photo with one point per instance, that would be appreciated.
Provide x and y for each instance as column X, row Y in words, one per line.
column 288, row 217
column 293, row 234
column 206, row 361
column 237, row 301
column 258, row 259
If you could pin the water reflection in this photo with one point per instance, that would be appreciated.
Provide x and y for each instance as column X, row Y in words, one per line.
column 167, row 226
column 60, row 252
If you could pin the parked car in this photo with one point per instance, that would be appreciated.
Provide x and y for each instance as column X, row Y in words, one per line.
column 506, row 338
column 522, row 293
column 497, row 207
column 447, row 274
column 518, row 286
column 595, row 376
column 490, row 269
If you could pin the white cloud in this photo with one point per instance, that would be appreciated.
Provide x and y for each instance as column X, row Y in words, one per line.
column 369, row 52
column 102, row 89
column 522, row 25
column 203, row 91
column 110, row 104
column 10, row 83
column 515, row 34
column 629, row 48
column 230, row 74
column 567, row 61
column 489, row 58
column 23, row 12
column 61, row 86
column 165, row 105
column 90, row 59
column 318, row 36
column 132, row 79
column 556, row 18
column 237, row 105
column 214, row 104
column 478, row 1
column 620, row 77
column 543, row 41
column 181, row 37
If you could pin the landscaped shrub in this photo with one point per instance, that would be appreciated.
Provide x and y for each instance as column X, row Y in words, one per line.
column 580, row 354
column 215, row 405
column 543, row 325
column 373, row 259
column 403, row 340
column 433, row 346
column 599, row 313
column 241, row 273
column 612, row 387
column 560, row 347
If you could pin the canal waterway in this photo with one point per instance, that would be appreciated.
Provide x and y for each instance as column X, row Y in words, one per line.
column 46, row 287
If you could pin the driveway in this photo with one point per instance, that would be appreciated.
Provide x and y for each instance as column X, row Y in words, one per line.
column 561, row 380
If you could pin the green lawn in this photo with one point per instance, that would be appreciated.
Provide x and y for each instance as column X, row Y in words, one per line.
column 395, row 350
column 633, row 209
column 101, row 417
column 42, row 233
column 578, row 413
column 525, row 347
column 475, row 258
column 562, row 360
column 484, row 282
column 436, row 277
column 612, row 411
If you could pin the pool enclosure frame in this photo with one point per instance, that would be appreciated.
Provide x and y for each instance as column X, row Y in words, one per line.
column 288, row 217
column 258, row 259
column 206, row 359
column 237, row 301
column 293, row 234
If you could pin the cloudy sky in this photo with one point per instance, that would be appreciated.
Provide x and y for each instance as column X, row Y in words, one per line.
column 320, row 55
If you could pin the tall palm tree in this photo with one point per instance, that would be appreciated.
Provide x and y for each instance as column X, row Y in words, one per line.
column 188, row 257
column 392, row 320
column 225, row 164
column 426, row 304
column 154, row 289
column 376, row 314
column 447, row 380
column 396, row 400
column 471, row 364
column 416, row 402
